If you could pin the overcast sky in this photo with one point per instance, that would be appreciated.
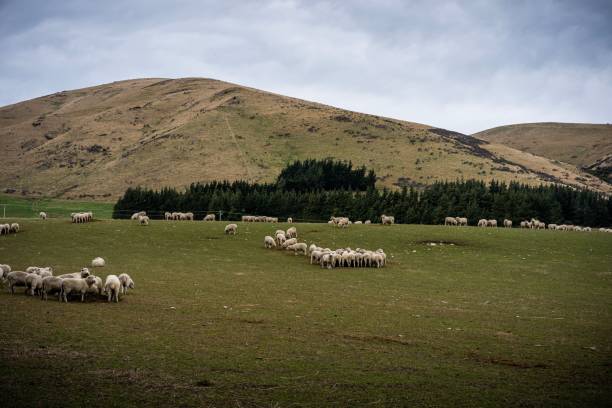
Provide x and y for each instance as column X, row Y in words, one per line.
column 461, row 65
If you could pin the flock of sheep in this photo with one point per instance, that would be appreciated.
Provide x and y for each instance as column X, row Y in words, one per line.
column 40, row 281
column 79, row 218
column 341, row 257
column 531, row 224
column 6, row 229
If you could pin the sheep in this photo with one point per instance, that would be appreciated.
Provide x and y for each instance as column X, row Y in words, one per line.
column 83, row 274
column 112, row 286
column 231, row 229
column 290, row 220
column 586, row 229
column 40, row 271
column 269, row 242
column 450, row 221
column 387, row 219
column 552, row 226
column 280, row 239
column 98, row 262
column 367, row 222
column 51, row 284
column 525, row 224
column 16, row 278
column 312, row 247
column 96, row 288
column 291, row 233
column 42, row 215
column 358, row 222
column 14, row 227
column 492, row 223
column 315, row 256
column 327, row 260
column 209, row 217
column 462, row 221
column 482, row 222
column 34, row 283
column 126, row 283
column 507, row 223
column 298, row 247
column 139, row 214
column 143, row 220
column 4, row 270
column 288, row 242
column 5, row 229
column 343, row 222
column 167, row 216
column 78, row 285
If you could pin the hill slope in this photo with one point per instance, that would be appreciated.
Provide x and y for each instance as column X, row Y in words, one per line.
column 588, row 146
column 97, row 141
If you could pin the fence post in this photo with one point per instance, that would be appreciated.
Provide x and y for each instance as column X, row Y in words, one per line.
column 220, row 215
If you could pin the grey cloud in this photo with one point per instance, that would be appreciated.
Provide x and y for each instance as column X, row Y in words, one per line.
column 458, row 65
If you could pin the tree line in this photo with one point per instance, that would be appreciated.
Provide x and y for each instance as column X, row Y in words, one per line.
column 472, row 199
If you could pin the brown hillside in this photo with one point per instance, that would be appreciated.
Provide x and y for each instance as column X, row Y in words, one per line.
column 95, row 142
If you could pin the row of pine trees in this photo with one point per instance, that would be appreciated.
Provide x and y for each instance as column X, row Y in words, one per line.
column 292, row 196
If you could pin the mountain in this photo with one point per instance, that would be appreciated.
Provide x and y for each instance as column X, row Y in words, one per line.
column 587, row 146
column 96, row 142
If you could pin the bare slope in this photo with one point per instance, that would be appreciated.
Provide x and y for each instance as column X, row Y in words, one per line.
column 97, row 141
column 587, row 146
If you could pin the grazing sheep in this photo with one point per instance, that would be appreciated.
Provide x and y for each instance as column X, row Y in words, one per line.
column 291, row 233
column 299, row 247
column 33, row 283
column 450, row 221
column 289, row 242
column 139, row 214
column 482, row 223
column 387, row 219
column 167, row 216
column 126, row 283
column 98, row 262
column 269, row 242
column 358, row 222
column 463, row 221
column 42, row 215
column 210, row 217
column 51, row 284
column 231, row 229
column 4, row 270
column 40, row 271
column 525, row 224
column 97, row 287
column 112, row 286
column 14, row 228
column 367, row 222
column 290, row 220
column 15, row 279
column 143, row 220
column 78, row 285
column 507, row 223
column 492, row 223
column 83, row 274
column 5, row 229
column 280, row 239
column 552, row 226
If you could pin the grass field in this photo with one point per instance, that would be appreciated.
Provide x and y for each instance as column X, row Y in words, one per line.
column 22, row 207
column 500, row 318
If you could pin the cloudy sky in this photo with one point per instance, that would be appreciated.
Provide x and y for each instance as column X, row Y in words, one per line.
column 461, row 65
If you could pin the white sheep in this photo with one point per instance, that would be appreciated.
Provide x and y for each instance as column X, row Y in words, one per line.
column 367, row 222
column 5, row 229
column 269, row 242
column 33, row 283
column 139, row 214
column 14, row 228
column 482, row 222
column 112, row 286
column 231, row 229
column 450, row 221
column 507, row 223
column 51, row 284
column 78, row 285
column 4, row 270
column 42, row 215
column 280, row 238
column 97, row 287
column 16, row 279
column 492, row 223
column 387, row 219
column 143, row 220
column 126, row 283
column 291, row 233
column 167, row 216
column 288, row 242
column 209, row 217
column 98, row 262
column 298, row 247
column 290, row 220
column 463, row 221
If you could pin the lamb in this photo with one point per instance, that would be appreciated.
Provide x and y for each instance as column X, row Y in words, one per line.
column 98, row 262
column 143, row 220
column 387, row 219
column 51, row 284
column 507, row 223
column 291, row 233
column 126, row 283
column 15, row 279
column 14, row 227
column 42, row 215
column 269, row 242
column 298, row 247
column 231, row 229
column 289, row 242
column 482, row 222
column 492, row 223
column 450, row 221
column 290, row 220
column 77, row 285
column 112, row 286
column 209, row 217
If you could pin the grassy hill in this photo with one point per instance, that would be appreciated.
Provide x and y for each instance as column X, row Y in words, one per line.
column 587, row 146
column 218, row 320
column 95, row 142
